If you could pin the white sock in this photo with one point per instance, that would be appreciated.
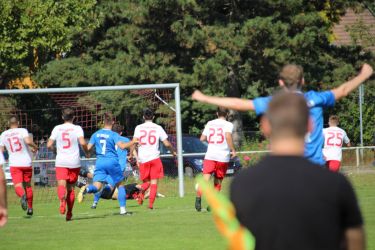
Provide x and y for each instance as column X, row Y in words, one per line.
column 122, row 210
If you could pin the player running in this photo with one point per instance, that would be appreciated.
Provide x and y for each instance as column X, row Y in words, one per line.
column 107, row 168
column 151, row 169
column 334, row 137
column 68, row 163
column 218, row 134
column 291, row 79
column 17, row 142
column 122, row 156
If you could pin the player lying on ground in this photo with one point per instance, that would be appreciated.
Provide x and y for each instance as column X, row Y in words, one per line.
column 291, row 79
column 288, row 202
column 122, row 156
column 151, row 169
column 334, row 137
column 3, row 194
column 67, row 137
column 17, row 142
column 218, row 134
column 107, row 167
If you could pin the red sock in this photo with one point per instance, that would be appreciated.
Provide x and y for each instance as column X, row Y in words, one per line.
column 61, row 191
column 70, row 200
column 199, row 192
column 20, row 191
column 29, row 196
column 145, row 186
column 217, row 187
column 153, row 190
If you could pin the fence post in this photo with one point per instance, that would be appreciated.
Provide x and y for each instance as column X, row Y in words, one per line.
column 357, row 156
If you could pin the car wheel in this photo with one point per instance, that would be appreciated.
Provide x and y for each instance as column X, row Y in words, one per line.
column 189, row 172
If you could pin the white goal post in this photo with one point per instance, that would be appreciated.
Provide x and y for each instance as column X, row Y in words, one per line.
column 175, row 86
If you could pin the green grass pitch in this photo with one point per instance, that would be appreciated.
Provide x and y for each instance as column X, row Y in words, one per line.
column 173, row 224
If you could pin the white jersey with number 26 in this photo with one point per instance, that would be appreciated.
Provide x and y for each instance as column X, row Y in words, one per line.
column 13, row 140
column 149, row 134
column 334, row 137
column 218, row 148
column 66, row 136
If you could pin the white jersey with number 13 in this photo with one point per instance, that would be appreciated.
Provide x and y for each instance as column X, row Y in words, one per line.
column 13, row 140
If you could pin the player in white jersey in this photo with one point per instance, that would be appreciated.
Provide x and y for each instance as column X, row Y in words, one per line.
column 67, row 137
column 334, row 137
column 218, row 134
column 151, row 169
column 17, row 142
column 3, row 194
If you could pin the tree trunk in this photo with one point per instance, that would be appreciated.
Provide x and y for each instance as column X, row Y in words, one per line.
column 235, row 117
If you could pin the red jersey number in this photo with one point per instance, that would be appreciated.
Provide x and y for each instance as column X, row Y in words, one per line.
column 219, row 133
column 15, row 144
column 332, row 136
column 66, row 139
column 147, row 137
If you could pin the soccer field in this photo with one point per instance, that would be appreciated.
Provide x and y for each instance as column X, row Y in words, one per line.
column 173, row 224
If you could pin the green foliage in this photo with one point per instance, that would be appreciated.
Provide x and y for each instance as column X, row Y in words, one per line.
column 225, row 47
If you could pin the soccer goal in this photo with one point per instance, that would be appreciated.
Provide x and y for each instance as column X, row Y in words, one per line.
column 39, row 110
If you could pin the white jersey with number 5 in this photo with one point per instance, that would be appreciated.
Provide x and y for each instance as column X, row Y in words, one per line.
column 13, row 140
column 218, row 148
column 66, row 136
column 149, row 134
column 334, row 137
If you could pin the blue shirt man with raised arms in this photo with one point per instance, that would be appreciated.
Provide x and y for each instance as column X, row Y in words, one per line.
column 291, row 79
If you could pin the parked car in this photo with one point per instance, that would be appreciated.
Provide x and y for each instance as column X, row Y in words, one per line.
column 192, row 164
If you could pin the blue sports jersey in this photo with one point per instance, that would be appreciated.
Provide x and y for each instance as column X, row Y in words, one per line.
column 316, row 101
column 122, row 153
column 105, row 143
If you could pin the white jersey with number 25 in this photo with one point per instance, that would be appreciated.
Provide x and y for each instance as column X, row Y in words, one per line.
column 334, row 137
column 218, row 149
column 149, row 134
column 66, row 136
column 13, row 140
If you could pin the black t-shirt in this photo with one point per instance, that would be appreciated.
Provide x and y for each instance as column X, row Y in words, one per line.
column 287, row 202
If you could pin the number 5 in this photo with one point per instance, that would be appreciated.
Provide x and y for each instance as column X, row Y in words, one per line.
column 65, row 138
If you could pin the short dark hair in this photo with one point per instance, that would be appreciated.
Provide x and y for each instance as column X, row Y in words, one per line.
column 117, row 127
column 222, row 112
column 68, row 114
column 13, row 120
column 291, row 75
column 148, row 114
column 108, row 119
column 334, row 119
column 288, row 115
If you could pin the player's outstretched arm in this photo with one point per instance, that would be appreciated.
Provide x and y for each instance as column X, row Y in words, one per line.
column 228, row 137
column 347, row 87
column 226, row 102
column 169, row 146
column 124, row 145
column 3, row 199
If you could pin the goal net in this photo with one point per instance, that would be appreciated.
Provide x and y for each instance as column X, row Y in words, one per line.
column 40, row 110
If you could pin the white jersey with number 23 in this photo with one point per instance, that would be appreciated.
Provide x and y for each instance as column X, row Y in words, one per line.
column 149, row 134
column 334, row 137
column 218, row 148
column 66, row 136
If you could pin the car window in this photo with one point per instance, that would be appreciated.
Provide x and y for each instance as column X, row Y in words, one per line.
column 189, row 145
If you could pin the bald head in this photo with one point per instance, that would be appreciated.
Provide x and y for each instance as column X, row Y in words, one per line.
column 288, row 116
column 13, row 121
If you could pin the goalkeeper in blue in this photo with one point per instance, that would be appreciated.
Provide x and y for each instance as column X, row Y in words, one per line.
column 107, row 167
column 122, row 157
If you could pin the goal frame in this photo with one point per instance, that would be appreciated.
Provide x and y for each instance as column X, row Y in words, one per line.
column 175, row 86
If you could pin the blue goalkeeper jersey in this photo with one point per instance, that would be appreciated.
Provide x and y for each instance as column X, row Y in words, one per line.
column 122, row 153
column 316, row 101
column 105, row 141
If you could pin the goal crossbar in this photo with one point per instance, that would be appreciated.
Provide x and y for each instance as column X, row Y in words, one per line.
column 175, row 86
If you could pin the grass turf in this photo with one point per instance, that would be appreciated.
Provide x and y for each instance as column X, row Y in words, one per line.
column 173, row 224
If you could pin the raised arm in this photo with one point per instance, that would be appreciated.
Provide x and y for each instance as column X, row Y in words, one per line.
column 169, row 146
column 347, row 87
column 228, row 137
column 226, row 102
